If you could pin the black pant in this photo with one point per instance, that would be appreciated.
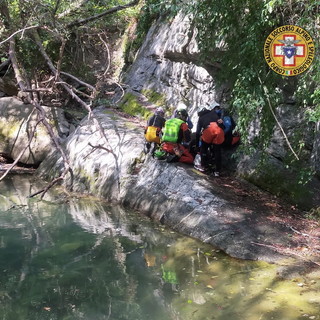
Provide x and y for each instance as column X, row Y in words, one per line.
column 207, row 155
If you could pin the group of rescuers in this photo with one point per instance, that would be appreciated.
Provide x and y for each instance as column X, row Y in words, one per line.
column 172, row 140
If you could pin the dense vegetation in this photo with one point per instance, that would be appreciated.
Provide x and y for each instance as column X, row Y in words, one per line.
column 52, row 48
column 55, row 36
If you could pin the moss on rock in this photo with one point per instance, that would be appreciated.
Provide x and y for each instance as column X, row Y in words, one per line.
column 131, row 105
column 154, row 97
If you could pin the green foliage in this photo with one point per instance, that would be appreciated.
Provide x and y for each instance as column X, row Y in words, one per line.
column 232, row 33
column 53, row 18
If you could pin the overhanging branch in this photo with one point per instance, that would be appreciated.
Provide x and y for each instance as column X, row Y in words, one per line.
column 98, row 16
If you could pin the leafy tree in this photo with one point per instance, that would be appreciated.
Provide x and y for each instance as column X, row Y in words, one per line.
column 37, row 36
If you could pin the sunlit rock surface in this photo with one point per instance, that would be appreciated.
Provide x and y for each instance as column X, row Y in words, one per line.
column 169, row 63
column 172, row 193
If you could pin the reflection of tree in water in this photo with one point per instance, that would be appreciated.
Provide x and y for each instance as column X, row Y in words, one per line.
column 100, row 262
column 63, row 270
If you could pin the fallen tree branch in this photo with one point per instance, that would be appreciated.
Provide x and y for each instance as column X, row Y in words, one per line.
column 50, row 185
column 18, row 74
column 122, row 91
column 108, row 55
column 23, row 86
column 301, row 233
column 79, row 81
column 38, row 90
column 100, row 15
column 66, row 87
column 63, row 44
column 19, row 31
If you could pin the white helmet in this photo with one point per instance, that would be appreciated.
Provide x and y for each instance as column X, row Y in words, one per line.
column 160, row 111
column 213, row 105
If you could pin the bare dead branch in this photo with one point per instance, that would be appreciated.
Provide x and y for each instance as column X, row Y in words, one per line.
column 275, row 117
column 98, row 16
column 78, row 80
column 66, row 87
column 47, row 81
column 99, row 146
column 20, row 79
column 63, row 44
column 19, row 31
column 94, row 148
column 50, row 185
column 122, row 91
column 108, row 55
column 301, row 233
column 23, row 86
column 38, row 90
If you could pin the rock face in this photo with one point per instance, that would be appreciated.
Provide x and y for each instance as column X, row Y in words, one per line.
column 17, row 121
column 168, row 64
column 171, row 193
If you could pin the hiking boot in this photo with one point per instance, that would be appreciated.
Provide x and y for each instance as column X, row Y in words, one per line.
column 200, row 168
column 172, row 158
column 146, row 148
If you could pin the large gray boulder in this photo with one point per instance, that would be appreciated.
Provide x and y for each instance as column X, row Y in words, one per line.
column 17, row 122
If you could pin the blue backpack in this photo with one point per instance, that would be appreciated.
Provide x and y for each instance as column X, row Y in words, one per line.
column 229, row 124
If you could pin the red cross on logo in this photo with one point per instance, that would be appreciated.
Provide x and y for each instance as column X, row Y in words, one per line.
column 289, row 50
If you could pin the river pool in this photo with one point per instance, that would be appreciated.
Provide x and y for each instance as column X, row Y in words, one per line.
column 70, row 258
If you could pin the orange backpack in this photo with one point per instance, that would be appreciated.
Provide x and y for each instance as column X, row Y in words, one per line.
column 213, row 134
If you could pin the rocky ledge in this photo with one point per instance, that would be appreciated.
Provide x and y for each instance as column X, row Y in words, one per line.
column 225, row 212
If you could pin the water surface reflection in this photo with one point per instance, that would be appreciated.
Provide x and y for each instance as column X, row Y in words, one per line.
column 68, row 258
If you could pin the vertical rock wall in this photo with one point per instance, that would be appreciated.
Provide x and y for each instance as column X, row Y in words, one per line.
column 168, row 63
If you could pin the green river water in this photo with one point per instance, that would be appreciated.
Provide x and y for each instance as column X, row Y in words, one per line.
column 80, row 258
